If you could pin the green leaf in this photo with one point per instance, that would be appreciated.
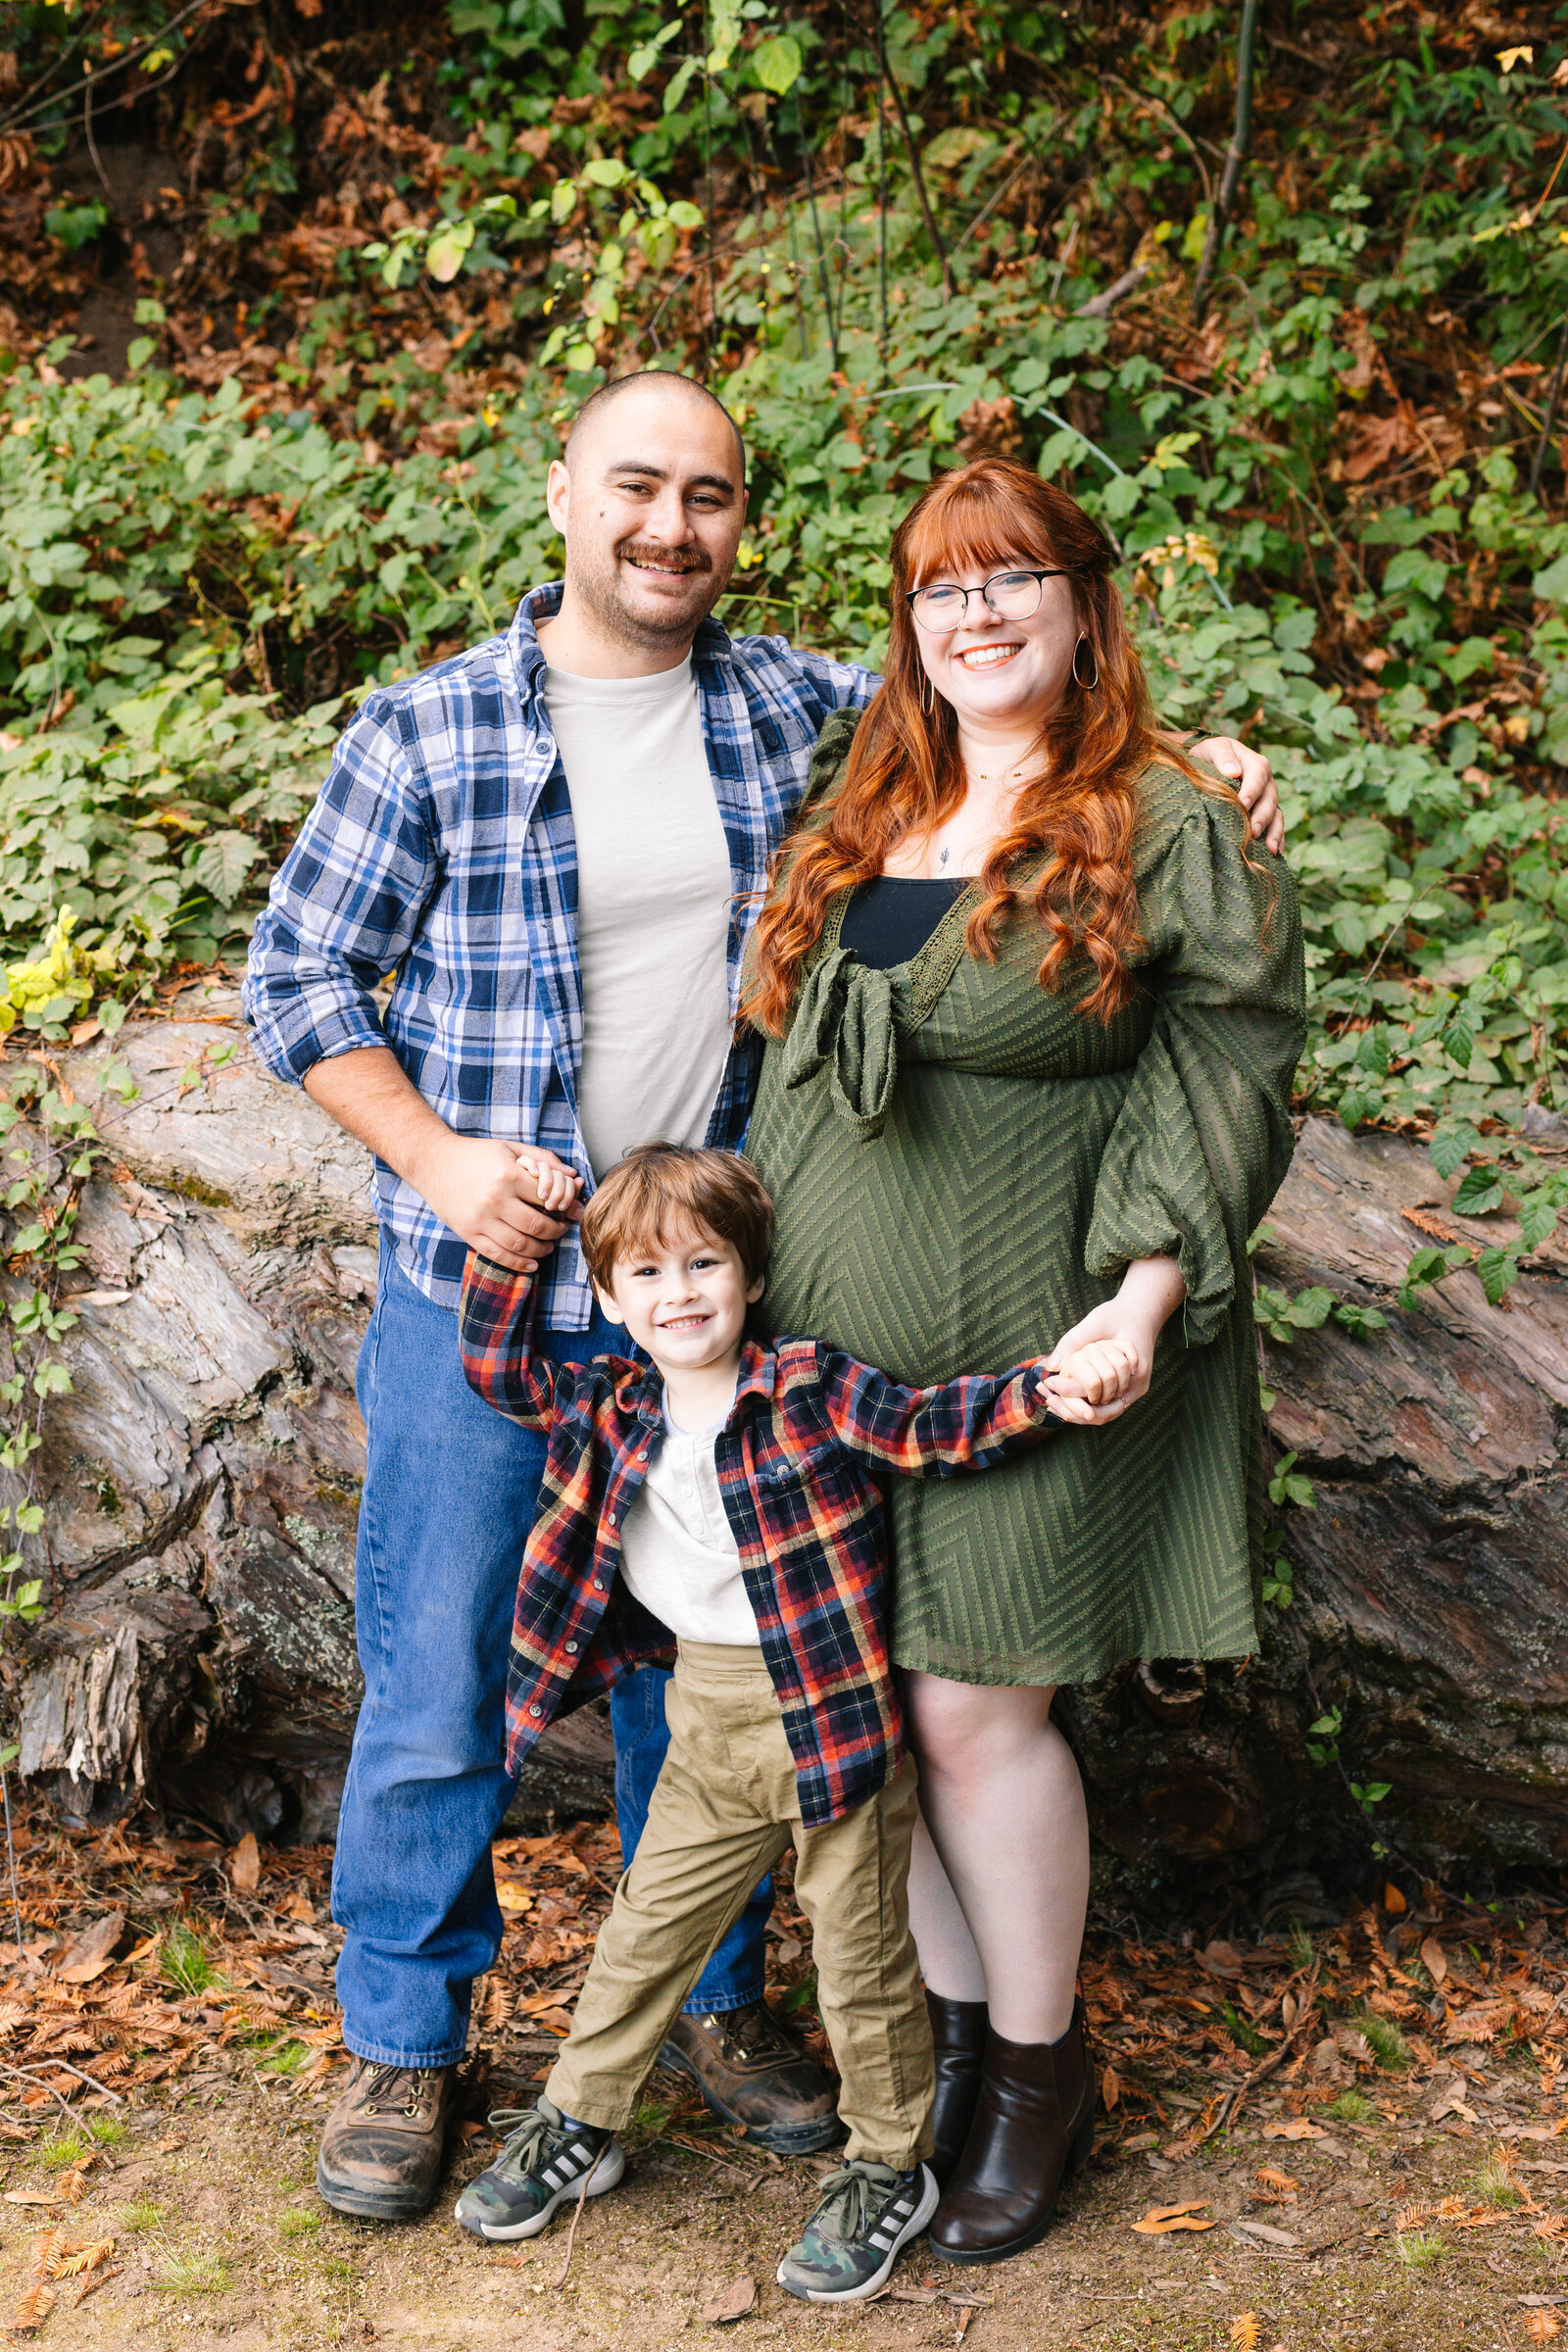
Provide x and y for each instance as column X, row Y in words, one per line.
column 1311, row 1308
column 1481, row 1191
column 607, row 171
column 443, row 256
column 223, row 863
column 777, row 63
column 1499, row 1270
column 1452, row 1146
column 1538, row 1219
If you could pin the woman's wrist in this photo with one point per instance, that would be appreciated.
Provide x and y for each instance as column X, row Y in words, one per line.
column 1151, row 1290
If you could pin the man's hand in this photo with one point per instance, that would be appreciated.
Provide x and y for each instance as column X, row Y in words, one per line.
column 487, row 1193
column 480, row 1186
column 1253, row 779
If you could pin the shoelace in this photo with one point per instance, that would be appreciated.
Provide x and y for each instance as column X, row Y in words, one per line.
column 527, row 2133
column 845, row 2205
column 385, row 2077
column 761, row 2035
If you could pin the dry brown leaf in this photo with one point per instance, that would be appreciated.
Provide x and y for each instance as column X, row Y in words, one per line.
column 513, row 1897
column 1244, row 2332
column 1284, row 2185
column 93, row 1950
column 732, row 2302
column 37, row 2302
column 1110, row 2089
column 33, row 2196
column 1160, row 2219
column 1434, row 1959
column 1541, row 2325
column 1299, row 2128
column 72, row 2262
column 93, row 2282
column 245, row 1865
column 46, row 2252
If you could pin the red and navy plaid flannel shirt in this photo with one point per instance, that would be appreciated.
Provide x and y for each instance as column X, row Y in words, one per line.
column 798, row 1460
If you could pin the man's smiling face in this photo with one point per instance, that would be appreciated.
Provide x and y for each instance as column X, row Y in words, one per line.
column 650, row 502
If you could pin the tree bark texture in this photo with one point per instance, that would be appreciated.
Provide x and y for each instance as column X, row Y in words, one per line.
column 202, row 1483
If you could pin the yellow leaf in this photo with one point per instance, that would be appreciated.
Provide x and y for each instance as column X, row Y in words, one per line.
column 1244, row 2332
column 1508, row 59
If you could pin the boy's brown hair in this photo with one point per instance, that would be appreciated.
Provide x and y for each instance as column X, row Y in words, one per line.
column 660, row 1186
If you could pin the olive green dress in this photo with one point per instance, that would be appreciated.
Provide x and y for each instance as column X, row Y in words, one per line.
column 962, row 1165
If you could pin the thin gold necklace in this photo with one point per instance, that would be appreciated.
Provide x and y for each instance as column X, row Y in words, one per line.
column 983, row 775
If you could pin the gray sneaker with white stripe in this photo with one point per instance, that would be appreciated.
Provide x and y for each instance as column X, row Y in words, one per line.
column 866, row 2213
column 541, row 2168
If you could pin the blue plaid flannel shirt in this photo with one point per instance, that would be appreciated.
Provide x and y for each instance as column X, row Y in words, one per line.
column 441, row 850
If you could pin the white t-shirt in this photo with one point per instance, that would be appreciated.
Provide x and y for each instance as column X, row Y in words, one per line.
column 679, row 1555
column 654, row 892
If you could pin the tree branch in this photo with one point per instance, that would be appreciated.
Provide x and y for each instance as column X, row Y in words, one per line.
column 1235, row 156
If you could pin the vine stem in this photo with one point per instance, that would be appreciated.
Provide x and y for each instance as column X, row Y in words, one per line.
column 1235, row 156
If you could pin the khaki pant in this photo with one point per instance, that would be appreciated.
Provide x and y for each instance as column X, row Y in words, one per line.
column 725, row 1810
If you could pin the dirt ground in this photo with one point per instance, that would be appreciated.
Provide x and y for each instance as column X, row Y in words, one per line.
column 1406, row 2194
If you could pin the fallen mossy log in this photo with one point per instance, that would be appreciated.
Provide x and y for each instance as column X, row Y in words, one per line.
column 201, row 1487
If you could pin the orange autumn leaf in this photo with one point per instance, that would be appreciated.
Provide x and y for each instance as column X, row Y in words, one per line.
column 1542, row 2326
column 1162, row 2218
column 1284, row 2184
column 1244, row 2332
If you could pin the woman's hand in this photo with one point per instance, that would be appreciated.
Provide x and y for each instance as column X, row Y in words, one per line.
column 1104, row 1363
column 1253, row 779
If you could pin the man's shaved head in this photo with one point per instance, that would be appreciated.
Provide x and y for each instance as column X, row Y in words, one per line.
column 661, row 380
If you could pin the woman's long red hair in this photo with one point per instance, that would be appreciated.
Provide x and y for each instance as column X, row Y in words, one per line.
column 904, row 775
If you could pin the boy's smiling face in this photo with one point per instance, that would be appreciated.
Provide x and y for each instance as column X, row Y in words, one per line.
column 685, row 1301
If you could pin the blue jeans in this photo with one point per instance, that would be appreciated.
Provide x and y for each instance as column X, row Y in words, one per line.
column 450, row 1489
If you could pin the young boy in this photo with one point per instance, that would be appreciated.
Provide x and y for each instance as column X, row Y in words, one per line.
column 727, row 1497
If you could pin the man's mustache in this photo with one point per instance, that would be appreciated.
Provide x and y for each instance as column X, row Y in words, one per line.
column 670, row 559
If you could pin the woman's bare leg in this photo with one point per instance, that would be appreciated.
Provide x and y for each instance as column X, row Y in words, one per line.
column 1007, row 1858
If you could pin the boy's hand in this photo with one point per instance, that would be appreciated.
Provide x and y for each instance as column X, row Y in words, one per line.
column 555, row 1184
column 1094, row 1383
column 1105, row 1362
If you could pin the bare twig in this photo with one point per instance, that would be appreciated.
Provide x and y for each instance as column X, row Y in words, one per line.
column 11, row 1859
column 816, row 231
column 1100, row 305
column 1230, row 2105
column 92, row 144
column 1235, row 156
column 560, row 2279
column 915, row 173
column 1550, row 415
column 38, row 106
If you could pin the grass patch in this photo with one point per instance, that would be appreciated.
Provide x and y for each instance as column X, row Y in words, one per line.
column 1419, row 2250
column 104, row 2131
column 298, row 2225
column 1246, row 2037
column 1387, row 2045
column 143, row 2216
column 283, row 2056
column 336, row 2266
column 63, row 2149
column 1298, row 1943
column 1495, row 2182
column 194, row 2274
column 185, row 1962
column 1352, row 2107
column 653, row 2116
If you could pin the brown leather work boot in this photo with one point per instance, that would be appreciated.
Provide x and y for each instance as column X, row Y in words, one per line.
column 382, row 2150
column 750, row 2072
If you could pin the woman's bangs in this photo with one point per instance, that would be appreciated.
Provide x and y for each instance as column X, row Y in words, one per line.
column 979, row 526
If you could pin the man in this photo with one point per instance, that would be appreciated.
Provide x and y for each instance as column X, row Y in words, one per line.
column 551, row 844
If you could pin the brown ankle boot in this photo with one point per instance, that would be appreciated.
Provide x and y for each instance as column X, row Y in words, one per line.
column 958, row 2032
column 1032, row 2130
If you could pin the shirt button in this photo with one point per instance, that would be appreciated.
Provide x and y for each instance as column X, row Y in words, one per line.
column 571, row 1650
column 599, row 1584
column 536, row 1711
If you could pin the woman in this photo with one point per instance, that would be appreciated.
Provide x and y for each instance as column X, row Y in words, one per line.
column 1034, row 1006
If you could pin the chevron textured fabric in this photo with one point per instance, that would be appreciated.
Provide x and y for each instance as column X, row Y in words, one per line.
column 962, row 1165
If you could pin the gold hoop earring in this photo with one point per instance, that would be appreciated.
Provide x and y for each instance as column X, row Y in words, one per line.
column 1088, row 685
column 927, row 690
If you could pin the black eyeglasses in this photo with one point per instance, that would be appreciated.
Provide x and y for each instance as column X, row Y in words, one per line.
column 1010, row 595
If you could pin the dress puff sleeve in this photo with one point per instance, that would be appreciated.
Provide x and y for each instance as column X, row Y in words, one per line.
column 1203, row 1139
